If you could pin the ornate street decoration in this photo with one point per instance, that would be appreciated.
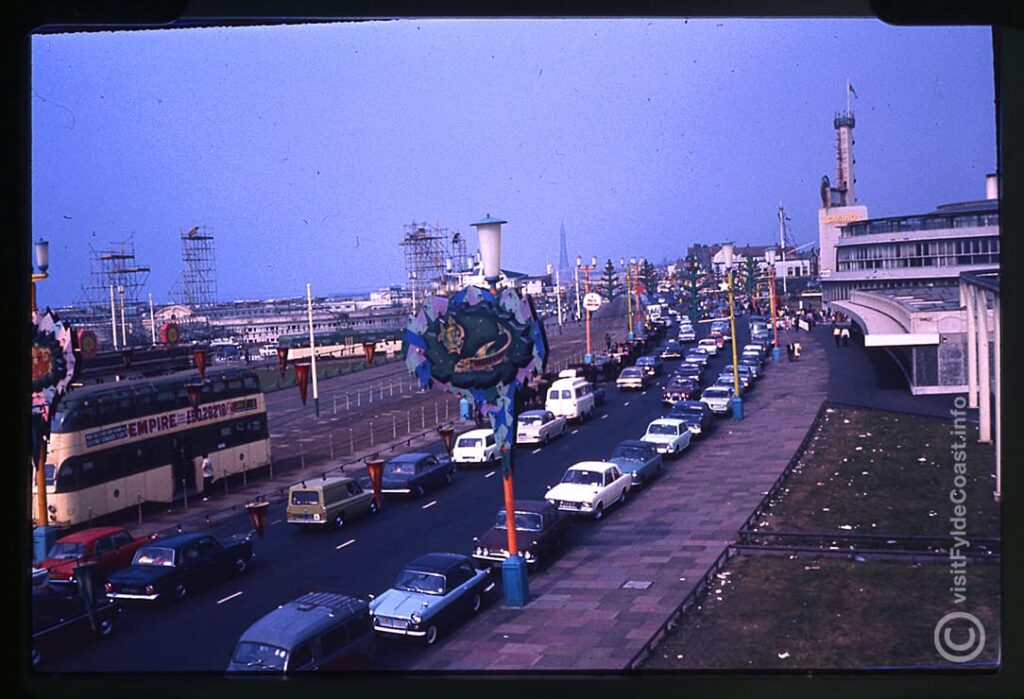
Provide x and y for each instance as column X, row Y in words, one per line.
column 480, row 346
column 53, row 362
column 87, row 344
column 170, row 334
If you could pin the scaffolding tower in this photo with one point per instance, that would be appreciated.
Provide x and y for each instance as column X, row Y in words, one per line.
column 197, row 285
column 428, row 259
column 114, row 269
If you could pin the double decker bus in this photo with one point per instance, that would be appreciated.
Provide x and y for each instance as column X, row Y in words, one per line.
column 113, row 446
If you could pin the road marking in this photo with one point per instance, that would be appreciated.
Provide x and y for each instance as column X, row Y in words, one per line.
column 276, row 521
column 574, row 431
column 625, row 404
column 229, row 597
column 341, row 546
column 535, row 451
column 644, row 393
column 488, row 475
column 604, row 417
column 429, row 504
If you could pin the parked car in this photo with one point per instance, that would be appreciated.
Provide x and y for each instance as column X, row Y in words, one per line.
column 415, row 473
column 727, row 379
column 589, row 487
column 171, row 567
column 754, row 356
column 752, row 364
column 709, row 345
column 540, row 533
column 696, row 414
column 60, row 622
column 632, row 378
column 431, row 593
column 679, row 388
column 640, row 459
column 333, row 501
column 318, row 630
column 539, row 427
column 669, row 435
column 651, row 364
column 111, row 547
column 672, row 350
column 476, row 447
column 717, row 398
column 571, row 398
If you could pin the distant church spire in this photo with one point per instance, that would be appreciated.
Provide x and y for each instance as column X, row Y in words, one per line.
column 563, row 255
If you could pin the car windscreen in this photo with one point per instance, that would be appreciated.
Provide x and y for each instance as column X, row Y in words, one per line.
column 154, row 556
column 67, row 549
column 260, row 655
column 634, row 453
column 716, row 393
column 470, row 442
column 400, row 468
column 531, row 420
column 631, row 371
column 305, row 497
column 660, row 428
column 420, row 581
column 583, row 477
column 525, row 521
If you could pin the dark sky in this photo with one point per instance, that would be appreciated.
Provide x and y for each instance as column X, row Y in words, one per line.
column 305, row 150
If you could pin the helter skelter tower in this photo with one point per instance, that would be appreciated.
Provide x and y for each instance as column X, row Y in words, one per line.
column 197, row 285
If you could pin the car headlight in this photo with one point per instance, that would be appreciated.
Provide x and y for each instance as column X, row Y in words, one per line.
column 528, row 555
column 478, row 550
column 588, row 505
column 634, row 474
column 150, row 590
column 485, row 551
column 415, row 618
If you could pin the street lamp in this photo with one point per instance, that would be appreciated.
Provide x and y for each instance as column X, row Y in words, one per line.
column 769, row 256
column 629, row 296
column 587, row 269
column 737, row 402
column 514, row 568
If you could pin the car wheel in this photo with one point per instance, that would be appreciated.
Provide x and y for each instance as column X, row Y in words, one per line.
column 418, row 491
column 339, row 521
column 477, row 603
column 547, row 438
column 622, row 498
column 431, row 636
column 240, row 565
column 599, row 511
column 373, row 507
column 105, row 627
column 449, row 477
column 180, row 591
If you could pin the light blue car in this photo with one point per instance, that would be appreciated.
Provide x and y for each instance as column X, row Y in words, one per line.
column 432, row 593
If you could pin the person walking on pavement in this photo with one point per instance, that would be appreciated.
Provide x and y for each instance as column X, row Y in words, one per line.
column 607, row 342
column 796, row 351
column 789, row 350
column 835, row 333
column 846, row 336
column 207, row 475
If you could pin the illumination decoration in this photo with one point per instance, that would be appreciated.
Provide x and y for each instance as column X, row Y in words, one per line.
column 369, row 348
column 87, row 344
column 199, row 357
column 481, row 346
column 170, row 333
column 53, row 362
column 302, row 378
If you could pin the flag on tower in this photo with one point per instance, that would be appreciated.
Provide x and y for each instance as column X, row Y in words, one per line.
column 850, row 88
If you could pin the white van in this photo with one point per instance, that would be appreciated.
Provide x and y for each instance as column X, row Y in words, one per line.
column 571, row 398
column 476, row 447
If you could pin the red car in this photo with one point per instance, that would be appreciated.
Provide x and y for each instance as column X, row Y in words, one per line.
column 112, row 547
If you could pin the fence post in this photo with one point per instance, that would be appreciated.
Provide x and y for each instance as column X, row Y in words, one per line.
column 245, row 479
column 371, row 429
column 370, row 391
column 138, row 499
column 271, row 468
column 335, row 404
column 331, row 437
column 302, row 456
column 436, row 417
column 423, row 416
column 446, row 410
column 351, row 442
column 358, row 398
column 408, row 421
column 394, row 427
column 391, row 388
column 382, row 390
column 184, row 491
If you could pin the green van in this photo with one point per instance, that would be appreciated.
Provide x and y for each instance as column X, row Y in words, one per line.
column 328, row 501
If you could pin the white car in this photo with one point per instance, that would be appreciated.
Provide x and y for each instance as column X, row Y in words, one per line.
column 538, row 427
column 709, row 345
column 476, row 447
column 590, row 487
column 717, row 398
column 687, row 334
column 669, row 435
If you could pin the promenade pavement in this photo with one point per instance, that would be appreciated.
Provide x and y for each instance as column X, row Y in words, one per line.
column 580, row 617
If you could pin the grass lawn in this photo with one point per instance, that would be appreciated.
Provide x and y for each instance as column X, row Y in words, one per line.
column 271, row 380
column 874, row 472
column 773, row 612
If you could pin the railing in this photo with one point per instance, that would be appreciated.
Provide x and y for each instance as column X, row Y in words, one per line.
column 920, row 223
column 976, row 546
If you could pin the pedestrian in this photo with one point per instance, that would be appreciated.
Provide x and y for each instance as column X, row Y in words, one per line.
column 835, row 333
column 789, row 350
column 846, row 336
column 796, row 351
column 607, row 342
column 207, row 475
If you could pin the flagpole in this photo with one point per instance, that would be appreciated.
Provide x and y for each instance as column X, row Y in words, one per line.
column 847, row 95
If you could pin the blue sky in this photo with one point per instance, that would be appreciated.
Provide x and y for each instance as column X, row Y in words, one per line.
column 305, row 150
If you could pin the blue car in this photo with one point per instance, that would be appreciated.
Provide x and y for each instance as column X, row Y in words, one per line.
column 415, row 473
column 638, row 458
column 431, row 593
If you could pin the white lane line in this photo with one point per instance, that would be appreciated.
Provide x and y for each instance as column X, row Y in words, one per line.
column 574, row 431
column 604, row 417
column 644, row 393
column 347, row 543
column 229, row 597
column 429, row 504
column 535, row 451
column 625, row 404
column 488, row 475
column 277, row 521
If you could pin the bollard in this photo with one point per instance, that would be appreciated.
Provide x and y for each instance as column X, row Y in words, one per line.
column 184, row 491
column 371, row 433
column 408, row 422
column 346, row 401
column 394, row 427
column 446, row 411
column 436, row 418
column 423, row 416
column 331, row 437
column 351, row 442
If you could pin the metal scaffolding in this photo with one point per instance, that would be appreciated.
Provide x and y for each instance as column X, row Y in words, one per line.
column 431, row 254
column 117, row 269
column 197, row 285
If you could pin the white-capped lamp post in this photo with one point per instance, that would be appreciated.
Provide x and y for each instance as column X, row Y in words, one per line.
column 737, row 402
column 769, row 256
column 587, row 269
column 629, row 297
column 514, row 568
